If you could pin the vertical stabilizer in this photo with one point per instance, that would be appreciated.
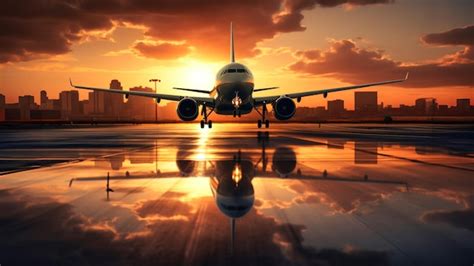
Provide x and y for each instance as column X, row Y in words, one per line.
column 232, row 54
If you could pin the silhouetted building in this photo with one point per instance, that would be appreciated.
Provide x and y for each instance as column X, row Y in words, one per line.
column 114, row 102
column 26, row 103
column 43, row 98
column 366, row 101
column 463, row 105
column 141, row 108
column 69, row 103
column 95, row 105
column 2, row 101
column 336, row 107
column 426, row 106
column 2, row 107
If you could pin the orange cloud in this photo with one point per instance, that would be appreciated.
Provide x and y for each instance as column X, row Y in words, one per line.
column 33, row 29
column 161, row 50
column 349, row 63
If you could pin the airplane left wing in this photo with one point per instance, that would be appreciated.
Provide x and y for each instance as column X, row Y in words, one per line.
column 269, row 99
column 201, row 100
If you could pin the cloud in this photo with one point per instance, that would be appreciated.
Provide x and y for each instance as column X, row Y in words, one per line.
column 458, row 36
column 38, row 29
column 347, row 62
column 458, row 218
column 161, row 50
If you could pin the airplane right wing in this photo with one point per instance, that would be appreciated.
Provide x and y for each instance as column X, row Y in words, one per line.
column 200, row 100
column 299, row 95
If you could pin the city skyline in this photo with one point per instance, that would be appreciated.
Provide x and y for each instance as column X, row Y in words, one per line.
column 101, row 106
column 295, row 45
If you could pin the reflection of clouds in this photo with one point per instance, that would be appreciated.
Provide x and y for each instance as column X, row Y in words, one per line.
column 456, row 218
column 203, row 238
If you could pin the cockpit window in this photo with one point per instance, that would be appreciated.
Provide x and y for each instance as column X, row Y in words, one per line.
column 232, row 70
column 241, row 70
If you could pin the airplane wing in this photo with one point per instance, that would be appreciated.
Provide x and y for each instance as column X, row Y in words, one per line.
column 269, row 99
column 201, row 100
column 193, row 90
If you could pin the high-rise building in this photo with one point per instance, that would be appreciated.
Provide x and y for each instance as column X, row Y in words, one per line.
column 141, row 108
column 2, row 101
column 463, row 105
column 114, row 101
column 366, row 101
column 2, row 107
column 426, row 106
column 95, row 105
column 69, row 103
column 43, row 98
column 26, row 103
column 336, row 107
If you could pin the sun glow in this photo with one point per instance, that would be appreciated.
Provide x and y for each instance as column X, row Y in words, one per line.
column 199, row 75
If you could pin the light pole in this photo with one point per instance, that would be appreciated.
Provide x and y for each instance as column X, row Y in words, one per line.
column 156, row 104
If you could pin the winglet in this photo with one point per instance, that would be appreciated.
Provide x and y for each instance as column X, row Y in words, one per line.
column 232, row 54
column 70, row 82
column 406, row 77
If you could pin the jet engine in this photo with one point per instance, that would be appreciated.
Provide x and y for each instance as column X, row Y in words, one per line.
column 187, row 109
column 284, row 108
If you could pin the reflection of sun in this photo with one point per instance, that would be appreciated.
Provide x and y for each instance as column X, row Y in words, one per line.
column 202, row 144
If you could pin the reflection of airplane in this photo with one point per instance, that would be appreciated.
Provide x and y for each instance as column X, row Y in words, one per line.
column 231, row 179
column 233, row 95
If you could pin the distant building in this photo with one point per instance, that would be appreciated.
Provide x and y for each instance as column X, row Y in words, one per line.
column 2, row 101
column 141, row 108
column 365, row 101
column 463, row 105
column 69, row 103
column 95, row 104
column 114, row 101
column 43, row 98
column 26, row 103
column 335, row 107
column 426, row 106
column 2, row 107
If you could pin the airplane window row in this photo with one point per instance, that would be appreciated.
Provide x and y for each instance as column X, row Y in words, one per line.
column 233, row 70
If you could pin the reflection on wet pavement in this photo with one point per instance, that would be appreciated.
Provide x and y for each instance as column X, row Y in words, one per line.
column 295, row 194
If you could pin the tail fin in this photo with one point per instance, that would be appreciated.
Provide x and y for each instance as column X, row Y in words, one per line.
column 232, row 53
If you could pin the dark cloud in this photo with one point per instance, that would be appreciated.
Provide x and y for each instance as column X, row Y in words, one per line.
column 458, row 36
column 349, row 63
column 457, row 218
column 161, row 50
column 32, row 29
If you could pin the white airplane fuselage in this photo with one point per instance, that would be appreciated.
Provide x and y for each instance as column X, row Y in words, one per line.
column 233, row 90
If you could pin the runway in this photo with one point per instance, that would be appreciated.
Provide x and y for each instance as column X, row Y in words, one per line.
column 295, row 194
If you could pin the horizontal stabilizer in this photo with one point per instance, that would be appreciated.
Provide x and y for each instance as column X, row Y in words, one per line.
column 193, row 90
column 265, row 89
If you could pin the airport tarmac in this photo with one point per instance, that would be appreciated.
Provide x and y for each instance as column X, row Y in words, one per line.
column 294, row 194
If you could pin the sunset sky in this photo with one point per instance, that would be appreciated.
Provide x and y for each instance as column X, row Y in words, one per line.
column 297, row 45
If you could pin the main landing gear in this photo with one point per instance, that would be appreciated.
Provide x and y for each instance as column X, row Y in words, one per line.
column 205, row 114
column 264, row 121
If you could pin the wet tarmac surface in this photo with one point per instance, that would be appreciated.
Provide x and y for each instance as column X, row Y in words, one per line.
column 295, row 194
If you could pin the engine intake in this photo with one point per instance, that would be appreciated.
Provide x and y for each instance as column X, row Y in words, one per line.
column 187, row 109
column 284, row 108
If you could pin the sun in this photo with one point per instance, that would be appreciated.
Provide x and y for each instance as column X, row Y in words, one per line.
column 199, row 75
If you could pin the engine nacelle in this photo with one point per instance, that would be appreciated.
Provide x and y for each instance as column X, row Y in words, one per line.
column 284, row 108
column 187, row 109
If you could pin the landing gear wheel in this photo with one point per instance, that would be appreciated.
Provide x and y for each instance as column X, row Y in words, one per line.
column 267, row 123
column 238, row 114
column 235, row 113
column 209, row 124
column 202, row 123
column 259, row 123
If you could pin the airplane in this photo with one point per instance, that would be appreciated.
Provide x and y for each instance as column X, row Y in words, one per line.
column 232, row 94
